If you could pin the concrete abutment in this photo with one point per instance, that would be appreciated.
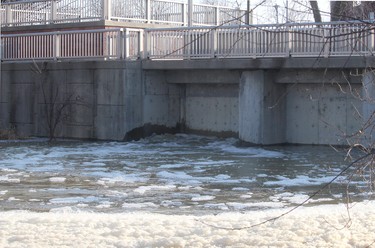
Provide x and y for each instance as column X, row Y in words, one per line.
column 117, row 100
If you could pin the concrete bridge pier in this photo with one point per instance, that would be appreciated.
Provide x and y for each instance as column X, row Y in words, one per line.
column 262, row 108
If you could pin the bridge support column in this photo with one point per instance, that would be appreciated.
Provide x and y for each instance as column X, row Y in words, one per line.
column 261, row 109
column 368, row 106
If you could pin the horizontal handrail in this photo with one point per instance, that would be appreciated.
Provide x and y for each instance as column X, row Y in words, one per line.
column 275, row 26
column 246, row 41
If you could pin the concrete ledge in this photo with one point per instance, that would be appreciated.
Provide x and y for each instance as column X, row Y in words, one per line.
column 262, row 63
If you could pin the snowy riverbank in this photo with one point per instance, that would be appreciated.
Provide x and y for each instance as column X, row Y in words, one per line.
column 319, row 226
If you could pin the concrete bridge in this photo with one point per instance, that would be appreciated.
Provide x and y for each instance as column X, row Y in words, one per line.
column 266, row 84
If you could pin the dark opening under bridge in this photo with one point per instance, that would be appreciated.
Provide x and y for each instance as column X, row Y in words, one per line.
column 306, row 83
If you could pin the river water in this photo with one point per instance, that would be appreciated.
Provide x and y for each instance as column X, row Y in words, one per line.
column 165, row 176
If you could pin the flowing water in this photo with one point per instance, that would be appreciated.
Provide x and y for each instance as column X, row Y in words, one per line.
column 166, row 175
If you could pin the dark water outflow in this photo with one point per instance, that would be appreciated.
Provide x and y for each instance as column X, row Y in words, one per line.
column 168, row 174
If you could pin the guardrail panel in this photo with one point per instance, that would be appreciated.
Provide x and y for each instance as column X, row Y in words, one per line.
column 322, row 40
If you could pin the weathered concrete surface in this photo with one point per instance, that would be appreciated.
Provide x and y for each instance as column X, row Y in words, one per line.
column 203, row 76
column 109, row 99
column 99, row 100
column 16, row 87
column 161, row 105
column 368, row 107
column 322, row 114
column 212, row 108
column 208, row 99
column 262, row 109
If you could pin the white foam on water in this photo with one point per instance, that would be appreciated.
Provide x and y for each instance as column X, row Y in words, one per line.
column 143, row 189
column 174, row 166
column 57, row 179
column 117, row 177
column 93, row 163
column 323, row 226
column 72, row 200
column 179, row 177
column 246, row 196
column 203, row 198
column 104, row 204
column 240, row 189
column 139, row 205
column 301, row 180
column 8, row 170
column 8, row 179
column 229, row 146
column 13, row 199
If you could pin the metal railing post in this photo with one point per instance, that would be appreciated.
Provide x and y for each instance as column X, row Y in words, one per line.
column 141, row 44
column 57, row 45
column 217, row 16
column 184, row 13
column 148, row 11
column 213, row 42
column 288, row 42
column 8, row 15
column 189, row 43
column 370, row 45
column 107, row 9
column 190, row 13
column 326, row 42
column 146, row 44
column 53, row 11
column 121, row 52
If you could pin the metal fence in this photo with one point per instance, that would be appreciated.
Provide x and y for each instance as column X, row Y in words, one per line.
column 256, row 41
column 36, row 12
column 92, row 44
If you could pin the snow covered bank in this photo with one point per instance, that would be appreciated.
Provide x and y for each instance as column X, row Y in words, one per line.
column 320, row 226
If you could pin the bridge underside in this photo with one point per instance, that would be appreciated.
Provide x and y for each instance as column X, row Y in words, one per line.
column 113, row 98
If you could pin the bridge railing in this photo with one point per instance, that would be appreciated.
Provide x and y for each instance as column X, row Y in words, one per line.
column 37, row 12
column 92, row 44
column 297, row 40
column 292, row 40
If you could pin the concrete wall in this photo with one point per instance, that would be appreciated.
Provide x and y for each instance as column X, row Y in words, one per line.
column 301, row 106
column 368, row 107
column 212, row 108
column 118, row 93
column 103, row 100
column 208, row 100
column 161, row 101
column 17, row 104
column 322, row 114
column 110, row 99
